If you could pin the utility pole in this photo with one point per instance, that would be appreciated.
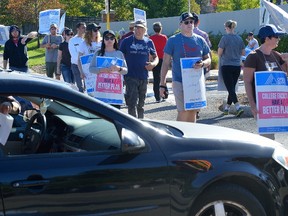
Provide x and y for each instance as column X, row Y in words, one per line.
column 107, row 9
column 189, row 5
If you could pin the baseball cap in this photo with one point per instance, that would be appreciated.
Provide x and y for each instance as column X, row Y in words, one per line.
column 269, row 30
column 185, row 16
column 250, row 34
column 108, row 32
column 196, row 18
column 53, row 25
column 92, row 26
column 140, row 23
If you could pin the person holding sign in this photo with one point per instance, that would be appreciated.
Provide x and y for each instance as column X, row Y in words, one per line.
column 184, row 45
column 109, row 48
column 137, row 49
column 51, row 43
column 91, row 43
column 15, row 50
column 263, row 59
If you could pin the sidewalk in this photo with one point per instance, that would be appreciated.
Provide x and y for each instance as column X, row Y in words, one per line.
column 213, row 75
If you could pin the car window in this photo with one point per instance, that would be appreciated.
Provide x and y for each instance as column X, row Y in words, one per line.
column 59, row 130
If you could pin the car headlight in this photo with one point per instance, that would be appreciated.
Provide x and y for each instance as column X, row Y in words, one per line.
column 280, row 155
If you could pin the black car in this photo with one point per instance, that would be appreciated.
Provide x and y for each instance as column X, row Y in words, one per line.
column 75, row 155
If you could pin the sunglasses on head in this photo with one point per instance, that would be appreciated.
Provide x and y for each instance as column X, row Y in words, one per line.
column 188, row 21
column 109, row 38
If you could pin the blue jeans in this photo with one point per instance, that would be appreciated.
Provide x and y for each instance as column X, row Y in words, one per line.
column 67, row 73
column 77, row 77
column 135, row 95
column 22, row 69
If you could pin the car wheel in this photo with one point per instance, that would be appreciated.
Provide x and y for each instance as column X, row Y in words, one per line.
column 228, row 199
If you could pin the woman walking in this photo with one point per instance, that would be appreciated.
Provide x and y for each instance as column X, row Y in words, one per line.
column 109, row 48
column 230, row 49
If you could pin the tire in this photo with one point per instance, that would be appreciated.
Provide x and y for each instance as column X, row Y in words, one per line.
column 227, row 199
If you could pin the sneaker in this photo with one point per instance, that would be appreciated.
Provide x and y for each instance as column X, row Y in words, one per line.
column 239, row 112
column 226, row 112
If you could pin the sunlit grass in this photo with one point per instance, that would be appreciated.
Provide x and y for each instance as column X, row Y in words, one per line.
column 36, row 55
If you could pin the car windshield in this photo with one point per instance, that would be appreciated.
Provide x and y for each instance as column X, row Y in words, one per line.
column 78, row 110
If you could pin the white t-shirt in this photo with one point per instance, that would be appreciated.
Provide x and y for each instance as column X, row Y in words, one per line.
column 86, row 49
column 73, row 45
column 253, row 44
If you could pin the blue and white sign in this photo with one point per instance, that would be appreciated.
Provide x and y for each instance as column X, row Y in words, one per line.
column 62, row 23
column 4, row 34
column 46, row 18
column 107, row 87
column 193, row 81
column 139, row 14
column 272, row 101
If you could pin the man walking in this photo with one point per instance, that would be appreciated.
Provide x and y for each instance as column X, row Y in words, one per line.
column 185, row 44
column 160, row 41
column 137, row 49
column 51, row 43
column 73, row 47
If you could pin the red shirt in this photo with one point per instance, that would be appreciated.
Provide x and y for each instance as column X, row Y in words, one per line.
column 159, row 41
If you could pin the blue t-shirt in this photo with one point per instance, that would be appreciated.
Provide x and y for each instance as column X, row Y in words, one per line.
column 232, row 46
column 179, row 46
column 136, row 53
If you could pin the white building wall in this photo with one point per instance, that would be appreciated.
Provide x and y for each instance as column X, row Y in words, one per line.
column 247, row 20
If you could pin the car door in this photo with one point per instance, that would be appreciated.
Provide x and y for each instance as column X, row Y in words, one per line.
column 84, row 183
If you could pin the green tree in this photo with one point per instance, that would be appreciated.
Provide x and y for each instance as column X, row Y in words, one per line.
column 5, row 17
column 232, row 5
column 27, row 11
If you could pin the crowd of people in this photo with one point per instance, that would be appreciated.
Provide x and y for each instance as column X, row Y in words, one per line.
column 141, row 53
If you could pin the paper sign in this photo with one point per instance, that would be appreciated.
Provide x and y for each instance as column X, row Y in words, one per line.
column 46, row 18
column 6, row 122
column 107, row 87
column 4, row 34
column 139, row 14
column 272, row 101
column 193, row 81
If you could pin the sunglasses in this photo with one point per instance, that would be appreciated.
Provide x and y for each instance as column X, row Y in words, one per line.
column 109, row 38
column 188, row 21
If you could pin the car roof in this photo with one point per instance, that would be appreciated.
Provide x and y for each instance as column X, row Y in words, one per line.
column 19, row 83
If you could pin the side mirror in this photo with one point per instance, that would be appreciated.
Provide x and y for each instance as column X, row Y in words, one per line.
column 131, row 142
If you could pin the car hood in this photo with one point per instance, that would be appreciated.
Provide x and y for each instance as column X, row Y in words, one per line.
column 204, row 131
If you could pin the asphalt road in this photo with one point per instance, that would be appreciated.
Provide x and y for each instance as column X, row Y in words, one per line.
column 211, row 114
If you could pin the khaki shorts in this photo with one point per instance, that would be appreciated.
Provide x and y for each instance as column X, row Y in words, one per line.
column 179, row 95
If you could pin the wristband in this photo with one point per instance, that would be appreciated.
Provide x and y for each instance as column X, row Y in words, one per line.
column 162, row 86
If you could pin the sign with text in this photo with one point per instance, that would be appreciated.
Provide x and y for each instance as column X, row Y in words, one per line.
column 139, row 14
column 46, row 18
column 4, row 34
column 193, row 84
column 272, row 101
column 107, row 87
